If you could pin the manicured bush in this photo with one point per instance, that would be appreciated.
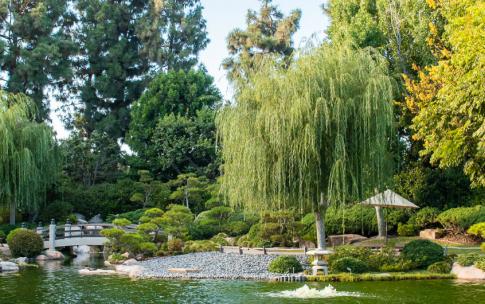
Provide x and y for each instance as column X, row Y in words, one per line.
column 236, row 228
column 400, row 265
column 480, row 264
column 200, row 246
column 220, row 239
column 425, row 218
column 477, row 230
column 348, row 264
column 116, row 258
column 406, row 230
column 467, row 259
column 440, row 267
column 347, row 251
column 132, row 216
column 482, row 246
column 423, row 253
column 24, row 243
column 2, row 236
column 153, row 212
column 460, row 219
column 285, row 264
column 121, row 222
column 130, row 242
column 175, row 245
column 148, row 249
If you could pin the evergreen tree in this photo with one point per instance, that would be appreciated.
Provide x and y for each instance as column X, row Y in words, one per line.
column 35, row 48
column 268, row 32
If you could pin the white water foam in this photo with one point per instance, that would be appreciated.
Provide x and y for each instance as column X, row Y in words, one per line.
column 306, row 292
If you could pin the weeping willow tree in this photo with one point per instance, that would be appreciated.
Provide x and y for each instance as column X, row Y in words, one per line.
column 27, row 155
column 310, row 136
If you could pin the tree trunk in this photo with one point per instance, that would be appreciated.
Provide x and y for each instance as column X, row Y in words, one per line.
column 320, row 225
column 381, row 222
column 12, row 213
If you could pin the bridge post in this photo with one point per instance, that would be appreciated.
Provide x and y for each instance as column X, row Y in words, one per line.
column 67, row 229
column 52, row 235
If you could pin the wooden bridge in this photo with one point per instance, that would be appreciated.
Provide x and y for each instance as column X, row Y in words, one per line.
column 70, row 235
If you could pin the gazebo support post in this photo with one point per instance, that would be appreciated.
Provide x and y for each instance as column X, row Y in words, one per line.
column 381, row 222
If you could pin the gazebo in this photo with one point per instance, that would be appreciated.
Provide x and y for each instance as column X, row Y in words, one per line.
column 386, row 199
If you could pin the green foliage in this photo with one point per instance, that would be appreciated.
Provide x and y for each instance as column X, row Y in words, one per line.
column 28, row 155
column 150, row 192
column 348, row 264
column 175, row 246
column 423, row 253
column 147, row 249
column 480, row 263
column 2, row 236
column 130, row 242
column 121, row 222
column 200, row 246
column 347, row 251
column 57, row 210
column 447, row 97
column 176, row 221
column 220, row 239
column 190, row 190
column 267, row 32
column 116, row 258
column 132, row 216
column 154, row 212
column 146, row 228
column 406, row 230
column 37, row 46
column 285, row 264
column 478, row 230
column 24, row 243
column 482, row 246
column 467, row 259
column 440, row 267
column 425, row 218
column 172, row 124
column 460, row 219
column 276, row 138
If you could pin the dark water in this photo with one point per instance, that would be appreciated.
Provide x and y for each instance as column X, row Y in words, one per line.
column 60, row 283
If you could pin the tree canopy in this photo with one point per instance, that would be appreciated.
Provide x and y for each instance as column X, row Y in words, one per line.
column 316, row 133
column 448, row 98
column 28, row 158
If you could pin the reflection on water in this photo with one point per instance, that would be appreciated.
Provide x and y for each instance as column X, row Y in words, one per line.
column 60, row 283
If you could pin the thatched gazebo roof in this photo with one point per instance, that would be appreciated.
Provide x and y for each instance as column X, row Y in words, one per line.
column 389, row 199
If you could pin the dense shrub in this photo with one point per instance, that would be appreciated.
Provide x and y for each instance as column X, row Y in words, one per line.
column 399, row 265
column 200, row 246
column 480, row 264
column 425, row 218
column 57, row 210
column 347, row 251
column 132, row 216
column 285, row 264
column 482, row 246
column 147, row 249
column 460, row 219
column 24, row 243
column 423, row 253
column 440, row 267
column 175, row 245
column 130, row 242
column 2, row 236
column 348, row 264
column 220, row 239
column 121, row 222
column 406, row 230
column 477, row 230
column 236, row 228
column 467, row 259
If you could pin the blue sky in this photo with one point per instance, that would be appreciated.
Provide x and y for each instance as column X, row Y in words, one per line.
column 222, row 17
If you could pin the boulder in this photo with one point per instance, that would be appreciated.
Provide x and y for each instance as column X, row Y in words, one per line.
column 183, row 270
column 96, row 219
column 130, row 262
column 8, row 267
column 127, row 255
column 133, row 271
column 4, row 250
column 431, row 234
column 54, row 255
column 467, row 272
column 22, row 260
column 41, row 257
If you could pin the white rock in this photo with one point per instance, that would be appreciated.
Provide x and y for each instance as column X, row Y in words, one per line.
column 133, row 271
column 96, row 272
column 467, row 272
column 130, row 262
column 22, row 260
column 41, row 257
column 8, row 267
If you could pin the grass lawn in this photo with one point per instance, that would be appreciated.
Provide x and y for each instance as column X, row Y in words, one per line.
column 392, row 276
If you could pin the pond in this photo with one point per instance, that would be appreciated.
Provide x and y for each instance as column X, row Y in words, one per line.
column 61, row 283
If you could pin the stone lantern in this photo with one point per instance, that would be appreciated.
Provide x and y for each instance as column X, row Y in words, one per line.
column 320, row 264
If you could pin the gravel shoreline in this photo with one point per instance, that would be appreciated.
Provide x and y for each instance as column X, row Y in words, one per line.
column 212, row 265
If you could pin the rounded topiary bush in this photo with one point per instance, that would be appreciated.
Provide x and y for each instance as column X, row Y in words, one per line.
column 349, row 264
column 24, row 243
column 406, row 229
column 285, row 264
column 423, row 253
column 440, row 267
